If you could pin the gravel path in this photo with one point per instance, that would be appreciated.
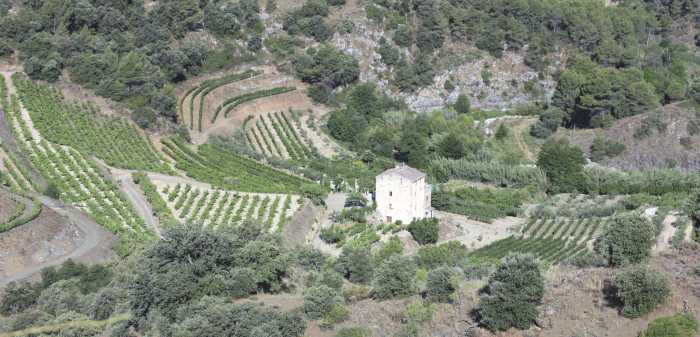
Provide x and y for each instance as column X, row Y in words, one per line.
column 137, row 199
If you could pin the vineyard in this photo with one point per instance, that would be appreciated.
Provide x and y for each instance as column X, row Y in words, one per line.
column 220, row 209
column 199, row 93
column 75, row 176
column 228, row 105
column 551, row 239
column 224, row 169
column 81, row 127
column 277, row 134
column 14, row 175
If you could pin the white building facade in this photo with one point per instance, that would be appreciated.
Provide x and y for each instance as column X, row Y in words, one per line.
column 402, row 194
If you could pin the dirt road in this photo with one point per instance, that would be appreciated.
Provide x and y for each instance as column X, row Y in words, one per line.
column 137, row 199
column 518, row 129
column 96, row 239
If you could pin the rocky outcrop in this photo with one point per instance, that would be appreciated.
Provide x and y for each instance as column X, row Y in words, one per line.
column 490, row 83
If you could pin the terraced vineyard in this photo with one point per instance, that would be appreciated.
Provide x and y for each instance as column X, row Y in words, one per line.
column 552, row 240
column 77, row 178
column 220, row 209
column 277, row 135
column 224, row 169
column 200, row 93
column 81, row 127
column 228, row 105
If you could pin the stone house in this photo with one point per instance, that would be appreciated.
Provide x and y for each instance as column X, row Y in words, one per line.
column 402, row 194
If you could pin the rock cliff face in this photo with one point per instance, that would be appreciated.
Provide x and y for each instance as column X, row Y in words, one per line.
column 491, row 83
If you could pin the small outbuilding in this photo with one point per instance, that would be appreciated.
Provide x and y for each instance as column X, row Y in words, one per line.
column 402, row 194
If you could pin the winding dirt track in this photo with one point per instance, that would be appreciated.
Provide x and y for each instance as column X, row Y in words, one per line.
column 95, row 238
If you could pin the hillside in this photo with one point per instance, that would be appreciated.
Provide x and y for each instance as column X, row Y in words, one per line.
column 671, row 141
column 349, row 168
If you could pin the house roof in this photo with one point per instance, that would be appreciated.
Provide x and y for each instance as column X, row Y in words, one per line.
column 404, row 171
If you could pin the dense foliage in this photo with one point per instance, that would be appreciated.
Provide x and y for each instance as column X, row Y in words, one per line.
column 627, row 239
column 425, row 231
column 193, row 263
column 513, row 294
column 679, row 325
column 641, row 290
column 123, row 51
column 562, row 163
column 624, row 59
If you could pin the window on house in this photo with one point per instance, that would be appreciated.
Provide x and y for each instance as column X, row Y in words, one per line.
column 390, row 194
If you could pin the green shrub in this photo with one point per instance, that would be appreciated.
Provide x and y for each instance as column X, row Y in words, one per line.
column 332, row 234
column 320, row 300
column 445, row 254
column 653, row 122
column 392, row 247
column 602, row 148
column 462, row 105
column 353, row 332
column 679, row 325
column 337, row 314
column 562, row 163
column 626, row 239
column 425, row 231
column 513, row 294
column 394, row 278
column 641, row 290
column 548, row 123
column 18, row 297
column 442, row 283
column 355, row 265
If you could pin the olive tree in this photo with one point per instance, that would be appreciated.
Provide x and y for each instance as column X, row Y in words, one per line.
column 641, row 290
column 627, row 239
column 513, row 293
column 395, row 277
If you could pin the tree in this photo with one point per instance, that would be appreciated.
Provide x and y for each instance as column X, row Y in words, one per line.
column 17, row 298
column 442, row 283
column 403, row 36
column 355, row 265
column 462, row 105
column 513, row 293
column 549, row 122
column 425, row 231
column 451, row 147
column 562, row 163
column 326, row 65
column 627, row 239
column 389, row 54
column 394, row 278
column 679, row 325
column 413, row 149
column 319, row 300
column 641, row 290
